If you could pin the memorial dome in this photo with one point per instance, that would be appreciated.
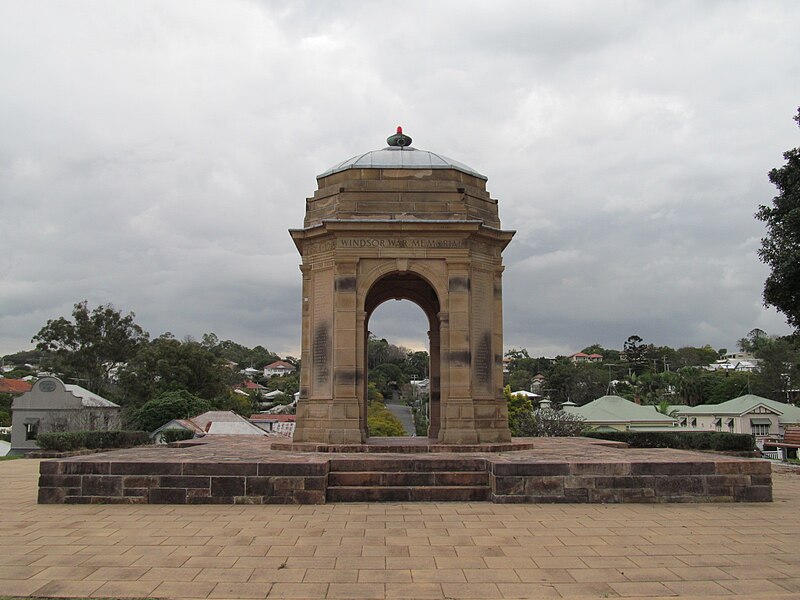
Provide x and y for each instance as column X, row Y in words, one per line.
column 400, row 155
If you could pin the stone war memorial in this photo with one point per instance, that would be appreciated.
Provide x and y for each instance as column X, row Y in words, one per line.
column 401, row 223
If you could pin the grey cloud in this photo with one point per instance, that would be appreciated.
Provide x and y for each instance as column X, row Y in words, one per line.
column 155, row 155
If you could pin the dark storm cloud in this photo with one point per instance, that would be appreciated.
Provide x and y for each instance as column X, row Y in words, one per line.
column 155, row 154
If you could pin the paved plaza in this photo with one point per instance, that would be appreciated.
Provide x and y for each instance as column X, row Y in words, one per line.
column 413, row 550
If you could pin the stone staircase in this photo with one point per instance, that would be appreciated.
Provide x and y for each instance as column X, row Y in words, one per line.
column 415, row 478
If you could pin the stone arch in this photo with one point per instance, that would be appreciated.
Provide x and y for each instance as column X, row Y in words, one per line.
column 411, row 286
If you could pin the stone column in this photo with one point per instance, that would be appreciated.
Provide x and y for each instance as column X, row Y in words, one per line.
column 305, row 356
column 458, row 414
column 345, row 410
column 434, row 385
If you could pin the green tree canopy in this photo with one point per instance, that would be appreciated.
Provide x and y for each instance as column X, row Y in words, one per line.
column 94, row 342
column 178, row 404
column 780, row 249
column 167, row 364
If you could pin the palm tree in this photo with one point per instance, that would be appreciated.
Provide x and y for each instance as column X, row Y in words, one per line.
column 690, row 385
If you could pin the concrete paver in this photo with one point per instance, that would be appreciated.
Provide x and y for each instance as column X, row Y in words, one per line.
column 413, row 550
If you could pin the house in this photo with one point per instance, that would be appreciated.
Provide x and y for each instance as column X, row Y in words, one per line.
column 251, row 387
column 14, row 386
column 276, row 424
column 582, row 357
column 760, row 417
column 52, row 405
column 526, row 393
column 733, row 364
column 279, row 367
column 614, row 413
column 213, row 422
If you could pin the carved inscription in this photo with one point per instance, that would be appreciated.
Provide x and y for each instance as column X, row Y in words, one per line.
column 400, row 243
column 483, row 360
column 322, row 350
column 482, row 353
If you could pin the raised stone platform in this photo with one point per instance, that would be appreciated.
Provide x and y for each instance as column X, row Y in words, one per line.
column 245, row 470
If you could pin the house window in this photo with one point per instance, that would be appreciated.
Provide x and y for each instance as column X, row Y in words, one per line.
column 760, row 426
column 718, row 424
column 730, row 425
column 693, row 423
column 31, row 430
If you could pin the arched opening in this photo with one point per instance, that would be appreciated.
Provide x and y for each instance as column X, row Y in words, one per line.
column 411, row 287
column 398, row 370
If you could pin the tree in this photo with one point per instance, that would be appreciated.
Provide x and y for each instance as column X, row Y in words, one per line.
column 778, row 368
column 780, row 249
column 634, row 349
column 520, row 413
column 90, row 346
column 756, row 339
column 178, row 404
column 167, row 364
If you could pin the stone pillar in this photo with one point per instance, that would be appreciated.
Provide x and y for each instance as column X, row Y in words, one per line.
column 434, row 385
column 345, row 411
column 458, row 415
column 305, row 357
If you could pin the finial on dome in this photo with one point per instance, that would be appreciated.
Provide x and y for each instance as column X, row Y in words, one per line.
column 399, row 139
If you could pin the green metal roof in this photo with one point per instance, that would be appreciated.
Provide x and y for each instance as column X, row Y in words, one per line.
column 787, row 413
column 615, row 409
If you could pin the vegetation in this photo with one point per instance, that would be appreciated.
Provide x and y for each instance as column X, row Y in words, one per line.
column 780, row 249
column 382, row 422
column 64, row 441
column 87, row 348
column 167, row 364
column 168, row 406
column 686, row 440
column 660, row 374
column 176, row 435
column 524, row 421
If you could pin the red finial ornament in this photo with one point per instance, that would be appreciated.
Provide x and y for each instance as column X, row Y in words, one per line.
column 399, row 139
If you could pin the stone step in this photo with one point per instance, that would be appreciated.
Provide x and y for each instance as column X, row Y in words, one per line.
column 408, row 494
column 404, row 478
column 408, row 464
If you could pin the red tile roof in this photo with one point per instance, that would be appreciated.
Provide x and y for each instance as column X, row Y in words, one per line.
column 280, row 364
column 251, row 385
column 14, row 386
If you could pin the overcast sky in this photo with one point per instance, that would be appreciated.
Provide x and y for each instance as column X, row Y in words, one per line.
column 153, row 155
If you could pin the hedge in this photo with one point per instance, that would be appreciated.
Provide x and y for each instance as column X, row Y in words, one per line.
column 63, row 441
column 684, row 440
column 176, row 435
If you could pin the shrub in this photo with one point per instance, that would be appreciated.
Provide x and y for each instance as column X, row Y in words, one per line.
column 684, row 440
column 176, row 435
column 382, row 422
column 64, row 441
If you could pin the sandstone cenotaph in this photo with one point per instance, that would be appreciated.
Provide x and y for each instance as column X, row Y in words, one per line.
column 402, row 223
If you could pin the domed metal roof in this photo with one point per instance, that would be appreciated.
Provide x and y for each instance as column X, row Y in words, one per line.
column 398, row 155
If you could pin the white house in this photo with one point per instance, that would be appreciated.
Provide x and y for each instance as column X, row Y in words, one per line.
column 751, row 414
column 279, row 367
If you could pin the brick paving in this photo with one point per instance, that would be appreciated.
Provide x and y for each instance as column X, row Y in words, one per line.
column 412, row 550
